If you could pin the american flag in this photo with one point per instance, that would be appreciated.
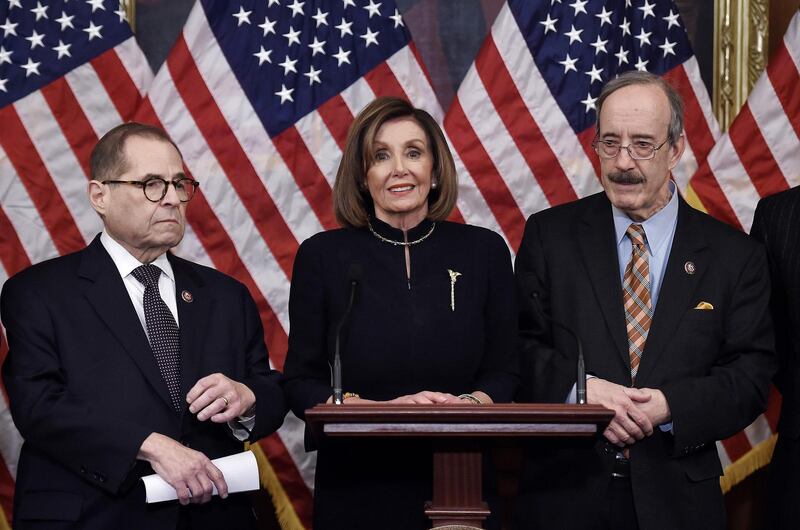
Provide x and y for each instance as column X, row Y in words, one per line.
column 259, row 96
column 69, row 71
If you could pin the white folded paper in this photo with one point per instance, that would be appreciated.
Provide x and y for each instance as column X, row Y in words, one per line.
column 240, row 472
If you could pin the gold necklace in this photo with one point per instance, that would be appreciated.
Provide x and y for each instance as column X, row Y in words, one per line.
column 400, row 243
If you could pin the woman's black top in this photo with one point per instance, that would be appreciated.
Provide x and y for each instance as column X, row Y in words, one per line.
column 404, row 335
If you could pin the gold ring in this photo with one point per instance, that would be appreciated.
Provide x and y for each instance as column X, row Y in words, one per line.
column 223, row 398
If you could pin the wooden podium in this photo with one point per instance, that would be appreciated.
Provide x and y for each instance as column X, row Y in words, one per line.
column 456, row 432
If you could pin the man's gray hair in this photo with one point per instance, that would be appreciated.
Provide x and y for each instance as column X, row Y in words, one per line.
column 635, row 77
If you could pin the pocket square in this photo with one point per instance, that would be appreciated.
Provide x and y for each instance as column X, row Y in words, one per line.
column 704, row 306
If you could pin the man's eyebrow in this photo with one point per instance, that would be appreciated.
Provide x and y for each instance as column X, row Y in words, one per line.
column 177, row 176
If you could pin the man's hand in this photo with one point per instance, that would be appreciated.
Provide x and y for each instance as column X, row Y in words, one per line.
column 190, row 472
column 219, row 398
column 656, row 408
column 630, row 423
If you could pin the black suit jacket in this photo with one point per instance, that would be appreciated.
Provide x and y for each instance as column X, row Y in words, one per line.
column 713, row 366
column 85, row 390
column 777, row 225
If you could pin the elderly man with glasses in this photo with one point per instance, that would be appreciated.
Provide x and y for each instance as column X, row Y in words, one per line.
column 125, row 360
column 672, row 309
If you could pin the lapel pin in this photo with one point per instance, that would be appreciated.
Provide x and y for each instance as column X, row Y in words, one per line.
column 187, row 296
column 689, row 267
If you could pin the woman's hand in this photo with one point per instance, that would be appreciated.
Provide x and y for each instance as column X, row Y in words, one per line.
column 426, row 397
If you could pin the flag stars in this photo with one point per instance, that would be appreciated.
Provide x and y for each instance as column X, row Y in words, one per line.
column 667, row 47
column 5, row 55
column 348, row 3
column 397, row 18
column 293, row 36
column 9, row 28
column 264, row 56
column 342, row 56
column 288, row 65
column 589, row 102
column 274, row 2
column 643, row 37
column 604, row 16
column 35, row 39
column 672, row 19
column 370, row 37
column 93, row 31
column 625, row 27
column 96, row 4
column 62, row 49
column 549, row 24
column 574, row 34
column 622, row 56
column 373, row 8
column 320, row 18
column 40, row 11
column 641, row 65
column 599, row 45
column 594, row 74
column 579, row 6
column 123, row 16
column 285, row 94
column 344, row 28
column 243, row 17
column 65, row 21
column 647, row 9
column 31, row 67
column 317, row 47
column 14, row 3
column 3, row 84
column 313, row 75
column 297, row 8
column 268, row 26
column 569, row 64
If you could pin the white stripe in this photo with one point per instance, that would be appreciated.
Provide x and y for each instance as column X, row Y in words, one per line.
column 686, row 168
column 22, row 214
column 136, row 64
column 732, row 179
column 499, row 144
column 357, row 96
column 778, row 132
column 724, row 459
column 758, row 431
column 250, row 246
column 543, row 108
column 59, row 160
column 292, row 433
column 792, row 40
column 692, row 70
column 93, row 99
column 409, row 74
column 10, row 439
column 243, row 121
column 321, row 144
column 191, row 249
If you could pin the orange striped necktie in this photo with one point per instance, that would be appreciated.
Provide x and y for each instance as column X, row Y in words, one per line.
column 636, row 297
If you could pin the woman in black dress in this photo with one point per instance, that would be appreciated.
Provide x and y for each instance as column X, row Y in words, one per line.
column 434, row 320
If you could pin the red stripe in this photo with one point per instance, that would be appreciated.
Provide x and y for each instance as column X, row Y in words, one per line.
column 36, row 179
column 421, row 63
column 785, row 80
column 3, row 355
column 773, row 411
column 524, row 130
column 118, row 83
column 293, row 484
column 698, row 133
column 222, row 252
column 755, row 154
column 337, row 117
column 383, row 82
column 585, row 138
column 73, row 122
column 12, row 253
column 708, row 190
column 737, row 446
column 306, row 172
column 487, row 178
column 233, row 160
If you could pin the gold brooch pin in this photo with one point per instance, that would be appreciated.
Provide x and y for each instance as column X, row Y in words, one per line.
column 453, row 276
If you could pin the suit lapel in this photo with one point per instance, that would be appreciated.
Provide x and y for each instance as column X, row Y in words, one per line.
column 599, row 253
column 688, row 246
column 107, row 294
column 194, row 310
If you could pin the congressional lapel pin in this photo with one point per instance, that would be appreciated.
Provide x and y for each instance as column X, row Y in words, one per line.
column 453, row 276
column 187, row 296
column 689, row 267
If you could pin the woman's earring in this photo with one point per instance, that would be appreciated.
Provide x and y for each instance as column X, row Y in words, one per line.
column 434, row 184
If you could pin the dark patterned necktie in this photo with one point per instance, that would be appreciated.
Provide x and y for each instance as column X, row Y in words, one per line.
column 162, row 331
column 636, row 297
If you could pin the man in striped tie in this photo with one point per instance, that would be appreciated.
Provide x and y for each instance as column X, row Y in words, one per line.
column 125, row 360
column 671, row 307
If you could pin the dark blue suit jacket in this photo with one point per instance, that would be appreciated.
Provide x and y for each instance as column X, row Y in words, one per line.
column 85, row 390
